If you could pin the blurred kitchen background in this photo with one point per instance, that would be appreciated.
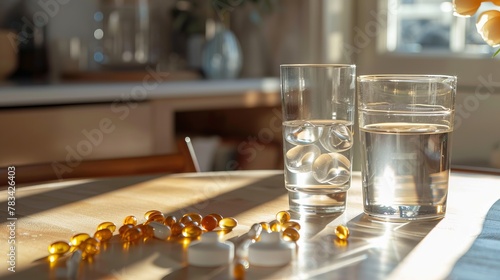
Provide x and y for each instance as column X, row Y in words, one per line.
column 88, row 79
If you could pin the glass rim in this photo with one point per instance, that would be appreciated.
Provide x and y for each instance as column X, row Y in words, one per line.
column 318, row 65
column 404, row 77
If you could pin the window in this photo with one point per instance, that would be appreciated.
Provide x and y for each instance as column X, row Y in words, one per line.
column 421, row 37
column 429, row 26
column 424, row 37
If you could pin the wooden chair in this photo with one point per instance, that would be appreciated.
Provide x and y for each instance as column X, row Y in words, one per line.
column 182, row 161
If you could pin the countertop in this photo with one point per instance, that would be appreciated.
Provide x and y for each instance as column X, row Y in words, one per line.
column 151, row 87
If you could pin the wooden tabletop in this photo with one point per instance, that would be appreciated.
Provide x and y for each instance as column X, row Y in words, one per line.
column 375, row 250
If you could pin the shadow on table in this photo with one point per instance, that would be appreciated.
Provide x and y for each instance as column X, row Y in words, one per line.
column 390, row 242
column 56, row 196
column 373, row 250
column 485, row 248
column 234, row 201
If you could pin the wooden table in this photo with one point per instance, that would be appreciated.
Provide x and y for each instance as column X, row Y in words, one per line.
column 375, row 250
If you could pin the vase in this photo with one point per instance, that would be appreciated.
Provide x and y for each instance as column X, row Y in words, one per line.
column 222, row 56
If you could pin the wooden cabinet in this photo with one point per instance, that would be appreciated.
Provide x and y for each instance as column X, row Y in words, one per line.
column 117, row 127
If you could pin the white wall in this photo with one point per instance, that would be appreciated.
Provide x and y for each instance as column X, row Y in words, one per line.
column 477, row 128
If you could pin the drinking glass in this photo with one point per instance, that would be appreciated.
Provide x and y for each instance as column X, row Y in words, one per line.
column 318, row 115
column 405, row 124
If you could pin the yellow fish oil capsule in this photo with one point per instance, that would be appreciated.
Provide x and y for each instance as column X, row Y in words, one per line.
column 185, row 219
column 228, row 223
column 156, row 218
column 291, row 234
column 130, row 220
column 265, row 226
column 176, row 229
column 59, row 247
column 147, row 230
column 283, row 217
column 275, row 226
column 239, row 269
column 170, row 221
column 90, row 247
column 151, row 213
column 78, row 238
column 103, row 235
column 291, row 224
column 109, row 225
column 132, row 234
column 123, row 228
column 342, row 232
column 194, row 216
column 192, row 231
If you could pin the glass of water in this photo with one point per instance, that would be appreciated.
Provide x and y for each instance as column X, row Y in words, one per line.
column 405, row 124
column 318, row 115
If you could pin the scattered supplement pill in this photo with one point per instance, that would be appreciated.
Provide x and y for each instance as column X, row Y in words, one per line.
column 283, row 217
column 103, row 235
column 209, row 222
column 210, row 251
column 239, row 269
column 151, row 213
column 275, row 226
column 342, row 232
column 228, row 223
column 146, row 230
column 157, row 218
column 291, row 234
column 185, row 219
column 194, row 216
column 177, row 228
column 109, row 225
column 59, row 247
column 255, row 231
column 265, row 226
column 78, row 238
column 192, row 223
column 160, row 231
column 130, row 220
column 291, row 224
column 123, row 228
column 216, row 216
column 132, row 234
column 340, row 242
column 192, row 231
column 170, row 221
column 271, row 250
column 90, row 247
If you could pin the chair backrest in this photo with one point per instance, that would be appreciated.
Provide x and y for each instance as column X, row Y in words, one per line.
column 179, row 162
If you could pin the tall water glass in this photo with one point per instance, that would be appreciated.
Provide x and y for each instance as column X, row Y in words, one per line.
column 318, row 116
column 405, row 124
